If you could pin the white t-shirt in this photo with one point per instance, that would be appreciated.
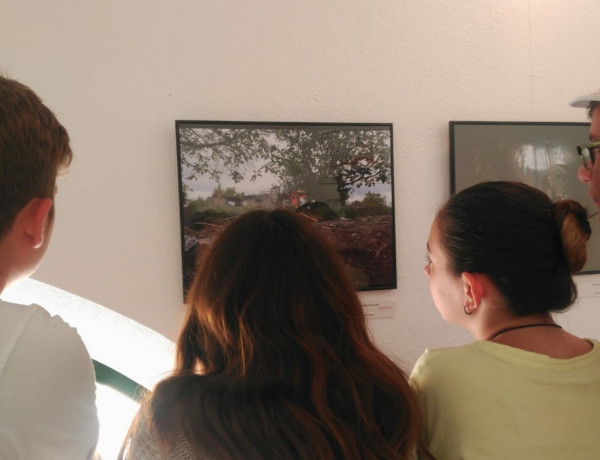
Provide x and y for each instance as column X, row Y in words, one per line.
column 47, row 388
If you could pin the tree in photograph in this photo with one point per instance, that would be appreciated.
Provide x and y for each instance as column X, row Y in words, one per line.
column 229, row 192
column 304, row 159
column 213, row 152
column 352, row 158
column 373, row 204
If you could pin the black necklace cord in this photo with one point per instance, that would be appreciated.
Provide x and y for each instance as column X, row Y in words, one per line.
column 522, row 326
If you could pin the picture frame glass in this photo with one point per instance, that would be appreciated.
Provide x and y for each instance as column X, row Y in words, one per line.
column 339, row 176
column 540, row 154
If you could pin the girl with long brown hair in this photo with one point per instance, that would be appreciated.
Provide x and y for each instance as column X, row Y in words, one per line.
column 275, row 360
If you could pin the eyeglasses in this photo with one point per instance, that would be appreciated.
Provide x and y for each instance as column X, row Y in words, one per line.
column 587, row 153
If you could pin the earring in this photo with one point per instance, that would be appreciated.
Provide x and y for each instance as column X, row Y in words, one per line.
column 467, row 312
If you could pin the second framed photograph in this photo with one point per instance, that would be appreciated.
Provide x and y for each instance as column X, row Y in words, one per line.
column 540, row 154
column 339, row 176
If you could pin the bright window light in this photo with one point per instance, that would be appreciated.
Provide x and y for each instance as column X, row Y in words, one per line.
column 128, row 347
column 115, row 412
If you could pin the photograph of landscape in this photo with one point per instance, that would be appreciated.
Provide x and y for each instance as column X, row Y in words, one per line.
column 337, row 176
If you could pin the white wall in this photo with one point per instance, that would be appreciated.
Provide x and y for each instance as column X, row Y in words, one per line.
column 119, row 73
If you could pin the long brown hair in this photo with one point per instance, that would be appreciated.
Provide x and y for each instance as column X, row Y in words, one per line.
column 275, row 360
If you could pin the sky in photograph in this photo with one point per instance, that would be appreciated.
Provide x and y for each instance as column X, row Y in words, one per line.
column 204, row 186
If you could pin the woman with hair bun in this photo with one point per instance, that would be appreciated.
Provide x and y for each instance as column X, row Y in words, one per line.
column 501, row 257
column 275, row 360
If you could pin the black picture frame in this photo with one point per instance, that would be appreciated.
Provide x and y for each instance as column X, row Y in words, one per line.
column 338, row 175
column 540, row 154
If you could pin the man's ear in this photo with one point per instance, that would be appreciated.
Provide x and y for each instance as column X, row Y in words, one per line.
column 35, row 214
column 474, row 285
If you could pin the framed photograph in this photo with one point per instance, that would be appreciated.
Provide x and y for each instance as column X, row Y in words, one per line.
column 339, row 176
column 541, row 154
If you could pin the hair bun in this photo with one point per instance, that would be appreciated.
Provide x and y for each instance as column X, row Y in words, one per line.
column 572, row 222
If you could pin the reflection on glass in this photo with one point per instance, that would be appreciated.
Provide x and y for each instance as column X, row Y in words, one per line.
column 541, row 154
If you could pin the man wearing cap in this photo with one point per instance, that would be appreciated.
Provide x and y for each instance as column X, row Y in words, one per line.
column 589, row 171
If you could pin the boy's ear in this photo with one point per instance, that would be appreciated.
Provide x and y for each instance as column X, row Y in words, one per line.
column 34, row 215
column 474, row 284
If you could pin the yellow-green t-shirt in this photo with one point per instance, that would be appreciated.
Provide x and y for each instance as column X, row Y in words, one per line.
column 491, row 401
